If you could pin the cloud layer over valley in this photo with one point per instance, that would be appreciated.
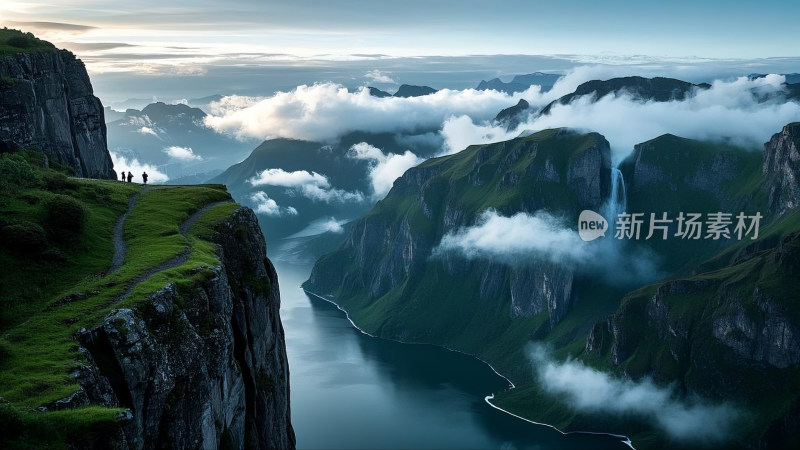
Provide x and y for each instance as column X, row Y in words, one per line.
column 589, row 390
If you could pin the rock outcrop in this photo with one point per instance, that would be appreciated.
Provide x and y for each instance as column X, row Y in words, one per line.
column 782, row 161
column 197, row 367
column 47, row 103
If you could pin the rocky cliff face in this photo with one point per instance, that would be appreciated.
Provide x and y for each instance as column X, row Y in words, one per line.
column 389, row 251
column 782, row 160
column 731, row 332
column 197, row 367
column 47, row 103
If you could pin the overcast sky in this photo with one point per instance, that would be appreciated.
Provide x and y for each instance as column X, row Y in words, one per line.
column 184, row 38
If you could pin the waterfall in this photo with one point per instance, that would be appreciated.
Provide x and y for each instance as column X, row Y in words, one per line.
column 618, row 200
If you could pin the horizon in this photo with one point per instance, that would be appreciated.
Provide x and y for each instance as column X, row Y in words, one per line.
column 198, row 49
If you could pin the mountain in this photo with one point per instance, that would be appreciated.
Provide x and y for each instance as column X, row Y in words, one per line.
column 656, row 89
column 520, row 83
column 375, row 92
column 512, row 116
column 174, row 138
column 347, row 192
column 130, row 316
column 714, row 319
column 47, row 103
column 112, row 115
column 407, row 90
column 732, row 330
column 385, row 274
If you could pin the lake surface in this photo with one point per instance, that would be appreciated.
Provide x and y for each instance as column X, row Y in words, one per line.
column 349, row 390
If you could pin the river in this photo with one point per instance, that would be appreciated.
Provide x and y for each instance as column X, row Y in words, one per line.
column 349, row 390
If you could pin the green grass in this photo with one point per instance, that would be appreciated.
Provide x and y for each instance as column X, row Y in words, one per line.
column 14, row 41
column 37, row 342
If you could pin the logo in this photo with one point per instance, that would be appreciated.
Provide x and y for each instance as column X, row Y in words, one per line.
column 591, row 225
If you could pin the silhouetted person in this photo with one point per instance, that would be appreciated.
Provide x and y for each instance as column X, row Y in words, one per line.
column 130, row 176
column 144, row 177
column 123, row 176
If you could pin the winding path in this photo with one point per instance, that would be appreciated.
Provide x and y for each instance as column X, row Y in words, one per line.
column 119, row 242
column 120, row 249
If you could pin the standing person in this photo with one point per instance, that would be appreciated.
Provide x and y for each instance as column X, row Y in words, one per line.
column 123, row 176
column 144, row 177
column 130, row 176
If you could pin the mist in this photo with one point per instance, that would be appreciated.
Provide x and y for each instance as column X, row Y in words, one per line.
column 524, row 238
column 325, row 111
column 586, row 389
column 311, row 185
column 731, row 110
column 384, row 168
column 121, row 163
column 264, row 205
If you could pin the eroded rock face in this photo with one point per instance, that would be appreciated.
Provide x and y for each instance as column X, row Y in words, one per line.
column 782, row 160
column 199, row 368
column 389, row 248
column 47, row 103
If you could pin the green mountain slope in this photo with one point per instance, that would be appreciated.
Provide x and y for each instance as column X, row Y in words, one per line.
column 710, row 329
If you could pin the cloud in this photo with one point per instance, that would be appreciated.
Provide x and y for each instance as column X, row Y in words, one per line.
column 326, row 111
column 182, row 153
column 267, row 206
column 590, row 390
column 380, row 77
column 320, row 194
column 311, row 185
column 121, row 163
column 148, row 130
column 53, row 26
column 731, row 110
column 524, row 238
column 320, row 226
column 384, row 168
column 280, row 177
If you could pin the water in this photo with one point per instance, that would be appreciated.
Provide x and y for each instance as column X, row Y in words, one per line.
column 350, row 390
column 618, row 201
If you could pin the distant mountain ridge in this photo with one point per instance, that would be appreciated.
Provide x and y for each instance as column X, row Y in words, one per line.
column 408, row 90
column 657, row 89
column 520, row 83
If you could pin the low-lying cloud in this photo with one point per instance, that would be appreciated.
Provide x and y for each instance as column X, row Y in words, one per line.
column 182, row 153
column 269, row 207
column 524, row 238
column 384, row 168
column 378, row 76
column 326, row 111
column 311, row 185
column 121, row 163
column 733, row 110
column 148, row 130
column 590, row 390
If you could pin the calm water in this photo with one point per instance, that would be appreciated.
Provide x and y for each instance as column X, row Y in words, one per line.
column 350, row 390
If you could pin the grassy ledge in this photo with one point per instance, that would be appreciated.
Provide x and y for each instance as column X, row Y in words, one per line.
column 56, row 282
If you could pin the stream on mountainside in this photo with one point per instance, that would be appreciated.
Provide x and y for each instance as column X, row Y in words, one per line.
column 349, row 390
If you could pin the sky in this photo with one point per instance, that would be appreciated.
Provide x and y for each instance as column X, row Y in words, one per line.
column 231, row 44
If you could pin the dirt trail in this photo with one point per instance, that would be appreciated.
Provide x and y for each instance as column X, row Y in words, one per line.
column 172, row 262
column 119, row 241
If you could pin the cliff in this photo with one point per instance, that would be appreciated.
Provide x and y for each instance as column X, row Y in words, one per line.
column 161, row 329
column 782, row 161
column 385, row 274
column 47, row 103
column 199, row 367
